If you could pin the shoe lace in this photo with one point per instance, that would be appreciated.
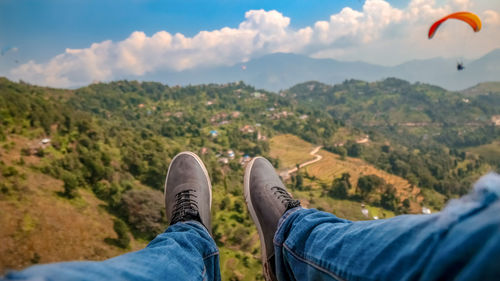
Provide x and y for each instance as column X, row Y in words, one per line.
column 185, row 207
column 285, row 197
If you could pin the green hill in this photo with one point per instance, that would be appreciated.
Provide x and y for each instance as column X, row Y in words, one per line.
column 484, row 88
column 114, row 142
column 394, row 102
column 416, row 116
column 100, row 154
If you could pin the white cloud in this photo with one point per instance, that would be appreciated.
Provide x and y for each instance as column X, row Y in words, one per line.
column 491, row 17
column 379, row 33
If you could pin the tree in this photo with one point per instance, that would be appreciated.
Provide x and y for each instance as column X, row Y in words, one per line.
column 216, row 173
column 144, row 211
column 299, row 181
column 342, row 152
column 121, row 230
column 406, row 205
column 339, row 189
column 225, row 203
column 70, row 185
column 340, row 186
column 388, row 200
column 346, row 177
column 353, row 149
column 366, row 184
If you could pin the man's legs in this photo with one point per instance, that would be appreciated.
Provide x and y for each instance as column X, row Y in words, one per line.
column 185, row 251
column 314, row 245
column 460, row 243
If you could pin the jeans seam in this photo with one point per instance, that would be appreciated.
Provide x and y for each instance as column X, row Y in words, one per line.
column 211, row 255
column 318, row 267
column 203, row 273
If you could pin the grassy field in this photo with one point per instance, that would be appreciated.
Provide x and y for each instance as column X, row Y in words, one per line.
column 490, row 152
column 291, row 150
column 39, row 226
column 346, row 209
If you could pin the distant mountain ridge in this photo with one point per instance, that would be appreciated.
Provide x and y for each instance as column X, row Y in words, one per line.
column 281, row 71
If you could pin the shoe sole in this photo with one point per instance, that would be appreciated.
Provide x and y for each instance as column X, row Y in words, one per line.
column 246, row 192
column 202, row 167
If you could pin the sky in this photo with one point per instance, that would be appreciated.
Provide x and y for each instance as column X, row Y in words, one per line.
column 70, row 43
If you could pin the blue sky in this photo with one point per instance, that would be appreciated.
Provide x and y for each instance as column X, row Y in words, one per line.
column 42, row 31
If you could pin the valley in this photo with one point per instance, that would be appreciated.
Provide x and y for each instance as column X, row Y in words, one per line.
column 82, row 171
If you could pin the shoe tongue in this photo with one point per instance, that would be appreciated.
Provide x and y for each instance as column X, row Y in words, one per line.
column 186, row 208
column 191, row 214
column 292, row 204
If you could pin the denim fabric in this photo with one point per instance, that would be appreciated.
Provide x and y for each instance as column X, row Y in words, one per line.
column 460, row 243
column 185, row 251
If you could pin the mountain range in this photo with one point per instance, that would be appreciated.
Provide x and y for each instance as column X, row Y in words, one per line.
column 279, row 71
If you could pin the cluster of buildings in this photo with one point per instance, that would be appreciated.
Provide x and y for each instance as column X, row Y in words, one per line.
column 282, row 114
column 246, row 129
column 229, row 155
column 223, row 118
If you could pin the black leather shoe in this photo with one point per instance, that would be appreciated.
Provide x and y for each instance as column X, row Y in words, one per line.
column 267, row 200
column 188, row 192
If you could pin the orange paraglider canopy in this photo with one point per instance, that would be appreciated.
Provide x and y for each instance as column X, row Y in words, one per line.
column 467, row 17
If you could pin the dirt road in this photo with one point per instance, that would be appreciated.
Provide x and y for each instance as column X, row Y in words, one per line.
column 286, row 174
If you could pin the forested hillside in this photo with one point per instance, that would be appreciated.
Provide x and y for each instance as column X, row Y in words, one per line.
column 426, row 128
column 116, row 140
column 100, row 154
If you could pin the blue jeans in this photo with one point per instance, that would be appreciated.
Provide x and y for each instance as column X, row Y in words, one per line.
column 460, row 243
column 185, row 251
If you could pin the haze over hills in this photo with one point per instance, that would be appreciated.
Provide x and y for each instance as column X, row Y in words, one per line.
column 280, row 71
column 482, row 89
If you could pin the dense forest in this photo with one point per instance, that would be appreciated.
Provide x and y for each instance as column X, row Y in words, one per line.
column 116, row 140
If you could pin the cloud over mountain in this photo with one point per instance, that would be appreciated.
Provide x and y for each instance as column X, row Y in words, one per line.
column 379, row 33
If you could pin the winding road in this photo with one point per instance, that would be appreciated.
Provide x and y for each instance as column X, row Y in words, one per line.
column 286, row 174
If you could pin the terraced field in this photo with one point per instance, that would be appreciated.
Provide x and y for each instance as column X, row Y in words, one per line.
column 289, row 149
column 330, row 167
